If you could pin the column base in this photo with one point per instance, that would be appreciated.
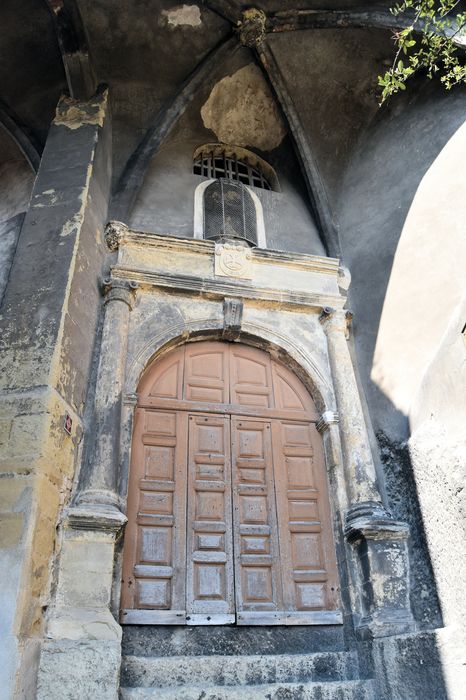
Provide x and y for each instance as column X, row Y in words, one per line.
column 380, row 543
column 99, row 517
column 81, row 654
column 79, row 669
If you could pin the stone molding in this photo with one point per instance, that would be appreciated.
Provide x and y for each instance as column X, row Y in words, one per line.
column 114, row 234
column 117, row 289
column 371, row 520
column 95, row 517
column 222, row 288
column 312, row 263
column 327, row 419
column 96, row 498
column 211, row 327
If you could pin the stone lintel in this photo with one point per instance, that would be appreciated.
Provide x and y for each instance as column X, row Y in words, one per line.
column 165, row 242
column 219, row 289
column 327, row 419
column 371, row 520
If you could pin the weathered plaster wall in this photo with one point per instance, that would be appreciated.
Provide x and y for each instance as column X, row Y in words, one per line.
column 437, row 449
column 401, row 210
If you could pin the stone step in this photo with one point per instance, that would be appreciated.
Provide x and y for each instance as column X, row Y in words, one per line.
column 207, row 671
column 337, row 690
column 172, row 640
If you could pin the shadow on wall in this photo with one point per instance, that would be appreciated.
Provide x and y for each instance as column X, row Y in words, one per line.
column 401, row 213
column 16, row 179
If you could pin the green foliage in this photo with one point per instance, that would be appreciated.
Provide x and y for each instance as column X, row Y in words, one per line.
column 428, row 42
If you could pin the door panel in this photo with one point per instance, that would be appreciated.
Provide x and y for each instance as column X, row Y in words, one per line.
column 209, row 585
column 207, row 372
column 250, row 377
column 155, row 540
column 257, row 569
column 306, row 544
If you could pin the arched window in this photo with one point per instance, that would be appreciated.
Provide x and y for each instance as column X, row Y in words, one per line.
column 226, row 209
column 229, row 212
column 226, row 206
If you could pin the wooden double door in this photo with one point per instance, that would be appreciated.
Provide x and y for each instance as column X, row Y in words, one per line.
column 228, row 514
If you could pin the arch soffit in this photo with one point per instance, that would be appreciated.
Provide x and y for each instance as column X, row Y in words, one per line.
column 279, row 346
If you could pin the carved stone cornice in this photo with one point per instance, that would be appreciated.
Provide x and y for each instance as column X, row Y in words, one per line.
column 336, row 320
column 251, row 29
column 114, row 233
column 372, row 521
column 118, row 289
column 327, row 419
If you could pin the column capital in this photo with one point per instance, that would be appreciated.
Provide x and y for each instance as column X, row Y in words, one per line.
column 114, row 234
column 336, row 320
column 116, row 289
column 327, row 419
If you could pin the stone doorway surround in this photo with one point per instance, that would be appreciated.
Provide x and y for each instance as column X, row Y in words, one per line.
column 163, row 292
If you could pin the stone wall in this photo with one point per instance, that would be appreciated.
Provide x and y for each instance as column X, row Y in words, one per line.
column 48, row 323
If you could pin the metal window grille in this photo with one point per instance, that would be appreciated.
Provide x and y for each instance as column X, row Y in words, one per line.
column 229, row 212
column 217, row 166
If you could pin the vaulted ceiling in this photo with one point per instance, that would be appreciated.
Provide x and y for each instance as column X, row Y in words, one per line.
column 321, row 58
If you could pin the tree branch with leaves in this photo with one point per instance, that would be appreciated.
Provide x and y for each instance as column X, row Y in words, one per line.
column 433, row 41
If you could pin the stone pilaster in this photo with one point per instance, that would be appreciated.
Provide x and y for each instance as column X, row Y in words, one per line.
column 379, row 541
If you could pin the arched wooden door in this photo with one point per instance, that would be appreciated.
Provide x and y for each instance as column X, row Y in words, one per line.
column 228, row 511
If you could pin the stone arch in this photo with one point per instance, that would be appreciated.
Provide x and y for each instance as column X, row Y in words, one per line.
column 279, row 346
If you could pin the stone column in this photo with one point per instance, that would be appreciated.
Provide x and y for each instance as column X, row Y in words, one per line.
column 379, row 541
column 98, row 482
column 82, row 651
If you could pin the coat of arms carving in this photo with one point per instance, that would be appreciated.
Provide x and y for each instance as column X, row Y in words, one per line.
column 233, row 260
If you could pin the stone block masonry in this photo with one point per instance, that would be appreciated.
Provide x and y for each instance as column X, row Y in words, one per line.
column 48, row 323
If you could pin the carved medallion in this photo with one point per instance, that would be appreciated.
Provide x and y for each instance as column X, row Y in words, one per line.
column 233, row 261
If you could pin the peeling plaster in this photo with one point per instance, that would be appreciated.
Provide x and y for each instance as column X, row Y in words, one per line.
column 74, row 114
column 241, row 110
column 183, row 16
